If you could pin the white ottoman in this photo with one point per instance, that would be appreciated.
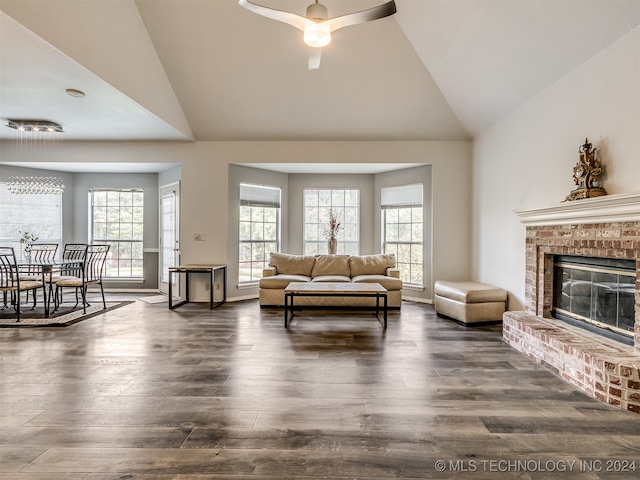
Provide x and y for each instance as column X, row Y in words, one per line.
column 470, row 302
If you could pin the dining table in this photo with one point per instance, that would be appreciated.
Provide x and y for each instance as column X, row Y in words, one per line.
column 45, row 269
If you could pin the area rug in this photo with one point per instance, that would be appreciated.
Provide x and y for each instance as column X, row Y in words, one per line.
column 63, row 318
column 154, row 299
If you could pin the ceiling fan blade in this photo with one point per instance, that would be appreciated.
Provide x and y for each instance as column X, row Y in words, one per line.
column 287, row 17
column 363, row 16
column 314, row 58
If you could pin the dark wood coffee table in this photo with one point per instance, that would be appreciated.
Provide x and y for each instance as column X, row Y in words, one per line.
column 333, row 289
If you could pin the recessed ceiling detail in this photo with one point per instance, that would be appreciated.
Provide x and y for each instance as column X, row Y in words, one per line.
column 72, row 92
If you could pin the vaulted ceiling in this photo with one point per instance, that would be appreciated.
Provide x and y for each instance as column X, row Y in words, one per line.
column 211, row 70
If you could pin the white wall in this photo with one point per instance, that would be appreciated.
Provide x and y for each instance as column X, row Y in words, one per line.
column 169, row 176
column 527, row 159
column 205, row 192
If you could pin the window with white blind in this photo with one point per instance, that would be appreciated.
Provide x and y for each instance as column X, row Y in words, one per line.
column 259, row 229
column 344, row 203
column 403, row 230
column 38, row 214
column 117, row 219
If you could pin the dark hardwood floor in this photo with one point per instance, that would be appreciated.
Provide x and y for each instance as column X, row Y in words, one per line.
column 145, row 393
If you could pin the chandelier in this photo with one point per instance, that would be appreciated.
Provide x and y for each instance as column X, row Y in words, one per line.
column 35, row 126
column 35, row 185
column 35, row 133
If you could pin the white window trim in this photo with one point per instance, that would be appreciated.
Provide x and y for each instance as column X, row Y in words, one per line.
column 398, row 197
column 108, row 241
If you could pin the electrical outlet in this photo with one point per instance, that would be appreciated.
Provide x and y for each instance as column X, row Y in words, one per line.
column 207, row 286
column 218, row 287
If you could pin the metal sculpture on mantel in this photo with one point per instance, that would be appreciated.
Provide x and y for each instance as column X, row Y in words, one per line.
column 587, row 173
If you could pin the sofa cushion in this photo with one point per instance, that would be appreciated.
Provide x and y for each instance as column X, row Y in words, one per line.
column 389, row 283
column 292, row 264
column 281, row 281
column 371, row 264
column 331, row 265
column 331, row 278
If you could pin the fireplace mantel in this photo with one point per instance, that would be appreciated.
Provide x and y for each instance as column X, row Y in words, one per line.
column 608, row 208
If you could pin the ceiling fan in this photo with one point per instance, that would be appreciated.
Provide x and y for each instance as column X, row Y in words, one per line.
column 316, row 25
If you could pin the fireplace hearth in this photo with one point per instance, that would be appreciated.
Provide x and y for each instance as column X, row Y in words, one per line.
column 604, row 228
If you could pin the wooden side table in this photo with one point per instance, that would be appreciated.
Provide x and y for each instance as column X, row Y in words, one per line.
column 188, row 270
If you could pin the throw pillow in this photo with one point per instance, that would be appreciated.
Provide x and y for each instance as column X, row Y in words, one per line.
column 331, row 265
column 372, row 264
column 292, row 264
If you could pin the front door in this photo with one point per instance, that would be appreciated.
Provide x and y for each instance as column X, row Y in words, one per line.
column 169, row 236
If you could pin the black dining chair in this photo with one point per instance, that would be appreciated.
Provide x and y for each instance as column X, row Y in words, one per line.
column 44, row 251
column 71, row 252
column 91, row 273
column 74, row 253
column 40, row 252
column 10, row 282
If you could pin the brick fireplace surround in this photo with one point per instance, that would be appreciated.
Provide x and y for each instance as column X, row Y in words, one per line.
column 606, row 227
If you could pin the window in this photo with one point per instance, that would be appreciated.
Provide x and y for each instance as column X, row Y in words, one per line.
column 117, row 219
column 344, row 203
column 402, row 230
column 38, row 214
column 259, row 229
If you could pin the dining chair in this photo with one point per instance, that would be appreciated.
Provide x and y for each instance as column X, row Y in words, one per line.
column 44, row 251
column 10, row 281
column 72, row 251
column 40, row 252
column 91, row 273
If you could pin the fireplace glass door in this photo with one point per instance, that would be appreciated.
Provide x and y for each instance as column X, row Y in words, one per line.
column 599, row 292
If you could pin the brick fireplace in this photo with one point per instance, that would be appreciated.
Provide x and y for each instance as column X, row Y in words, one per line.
column 604, row 227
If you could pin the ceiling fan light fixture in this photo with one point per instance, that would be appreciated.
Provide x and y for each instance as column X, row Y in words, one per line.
column 317, row 11
column 316, row 24
column 317, row 35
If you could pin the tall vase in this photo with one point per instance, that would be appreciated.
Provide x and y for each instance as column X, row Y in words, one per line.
column 333, row 245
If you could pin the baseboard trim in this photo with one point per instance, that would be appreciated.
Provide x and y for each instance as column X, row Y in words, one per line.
column 124, row 290
column 244, row 297
column 418, row 300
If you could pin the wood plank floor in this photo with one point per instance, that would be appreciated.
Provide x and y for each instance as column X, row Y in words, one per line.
column 145, row 393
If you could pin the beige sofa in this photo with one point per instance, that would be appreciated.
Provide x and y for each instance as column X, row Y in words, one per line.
column 284, row 269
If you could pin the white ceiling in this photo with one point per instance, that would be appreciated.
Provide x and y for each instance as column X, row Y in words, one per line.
column 209, row 70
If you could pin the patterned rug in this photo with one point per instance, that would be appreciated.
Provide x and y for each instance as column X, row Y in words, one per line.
column 67, row 315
